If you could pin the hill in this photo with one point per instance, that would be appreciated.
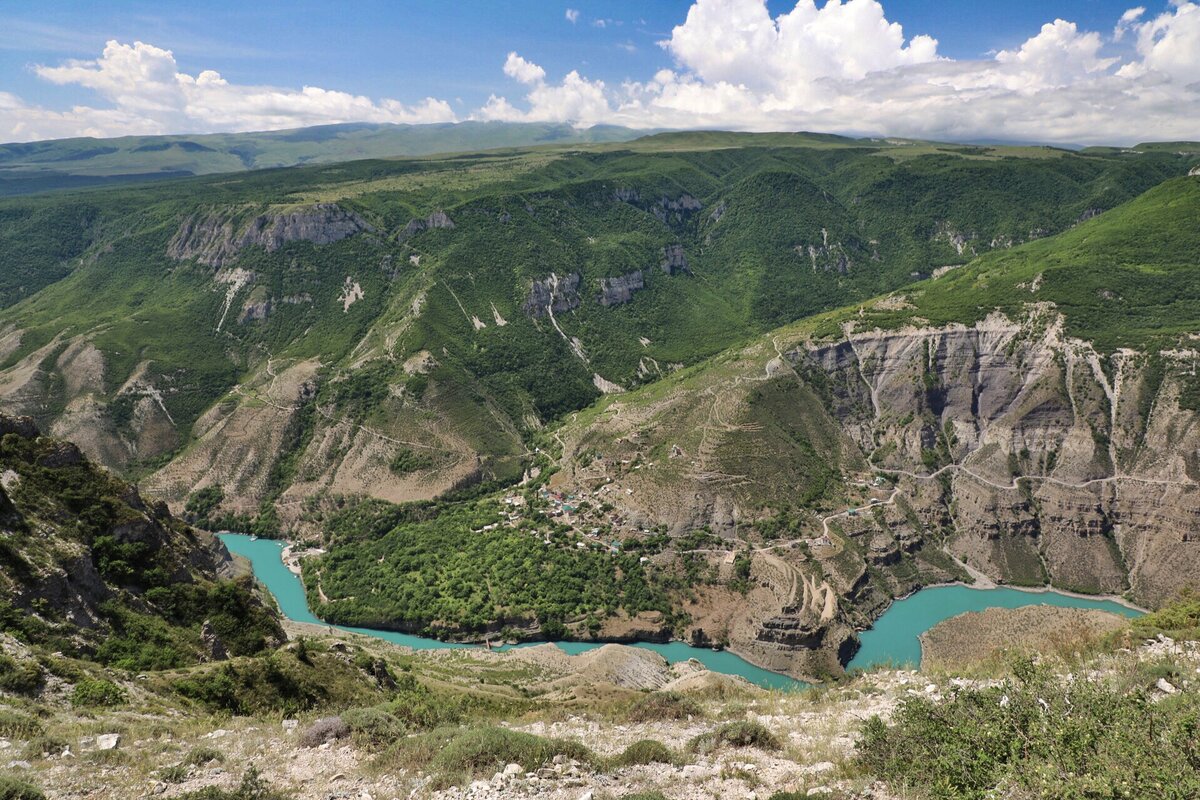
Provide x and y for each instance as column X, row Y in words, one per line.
column 76, row 163
column 93, row 570
column 270, row 350
column 1031, row 417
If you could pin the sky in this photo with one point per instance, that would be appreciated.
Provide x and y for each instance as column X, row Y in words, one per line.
column 1056, row 71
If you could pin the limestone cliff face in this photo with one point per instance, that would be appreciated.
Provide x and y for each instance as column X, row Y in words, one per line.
column 553, row 294
column 619, row 290
column 1046, row 461
column 216, row 238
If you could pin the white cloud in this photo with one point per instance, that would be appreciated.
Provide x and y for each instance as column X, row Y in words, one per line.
column 1127, row 19
column 1170, row 44
column 842, row 66
column 845, row 67
column 523, row 71
column 149, row 94
column 572, row 15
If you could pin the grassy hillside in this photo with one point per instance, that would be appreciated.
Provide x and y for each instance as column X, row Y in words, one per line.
column 1124, row 279
column 76, row 163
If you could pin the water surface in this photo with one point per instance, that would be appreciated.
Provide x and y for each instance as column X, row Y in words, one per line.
column 893, row 640
column 265, row 556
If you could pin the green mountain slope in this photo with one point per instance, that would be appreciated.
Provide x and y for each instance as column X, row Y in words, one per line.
column 76, row 163
column 404, row 328
column 1126, row 279
column 92, row 569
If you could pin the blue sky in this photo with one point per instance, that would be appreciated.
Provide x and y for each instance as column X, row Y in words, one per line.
column 455, row 51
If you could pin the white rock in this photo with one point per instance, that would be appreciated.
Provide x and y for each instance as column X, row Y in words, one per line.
column 291, row 724
column 108, row 741
column 585, row 796
column 19, row 765
column 514, row 769
column 1165, row 687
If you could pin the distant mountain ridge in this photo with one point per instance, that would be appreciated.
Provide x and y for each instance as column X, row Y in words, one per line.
column 28, row 167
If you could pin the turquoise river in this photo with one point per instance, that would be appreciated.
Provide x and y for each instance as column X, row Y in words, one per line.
column 893, row 639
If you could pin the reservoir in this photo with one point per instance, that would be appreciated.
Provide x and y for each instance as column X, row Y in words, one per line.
column 893, row 640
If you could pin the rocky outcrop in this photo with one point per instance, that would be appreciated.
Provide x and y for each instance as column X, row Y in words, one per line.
column 669, row 210
column 261, row 310
column 1051, row 465
column 436, row 220
column 553, row 294
column 217, row 238
column 1194, row 171
column 674, row 260
column 618, row 290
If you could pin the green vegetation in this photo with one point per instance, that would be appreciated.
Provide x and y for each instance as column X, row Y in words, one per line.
column 160, row 589
column 83, row 162
column 12, row 788
column 1124, row 279
column 1041, row 735
column 97, row 693
column 645, row 751
column 656, row 706
column 438, row 563
column 466, row 754
column 1179, row 619
column 743, row 733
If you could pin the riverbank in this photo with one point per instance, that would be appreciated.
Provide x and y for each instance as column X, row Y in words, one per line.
column 988, row 637
column 893, row 638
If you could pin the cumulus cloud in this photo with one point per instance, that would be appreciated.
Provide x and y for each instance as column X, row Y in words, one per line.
column 523, row 71
column 572, row 15
column 839, row 66
column 148, row 94
column 844, row 66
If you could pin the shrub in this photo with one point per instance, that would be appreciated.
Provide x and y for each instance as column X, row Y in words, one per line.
column 326, row 729
column 16, row 789
column 18, row 726
column 645, row 751
column 1040, row 735
column 483, row 751
column 97, row 692
column 735, row 734
column 418, row 706
column 176, row 773
column 658, row 706
column 41, row 746
column 373, row 727
column 20, row 677
column 644, row 796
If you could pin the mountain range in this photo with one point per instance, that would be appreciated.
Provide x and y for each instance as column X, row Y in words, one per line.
column 788, row 376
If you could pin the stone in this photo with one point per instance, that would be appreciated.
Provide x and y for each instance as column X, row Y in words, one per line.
column 1165, row 686
column 108, row 741
column 19, row 765
column 514, row 769
column 290, row 724
column 586, row 796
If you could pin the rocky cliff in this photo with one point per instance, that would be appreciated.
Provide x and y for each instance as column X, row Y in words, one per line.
column 87, row 561
column 217, row 237
column 1044, row 460
column 1004, row 450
